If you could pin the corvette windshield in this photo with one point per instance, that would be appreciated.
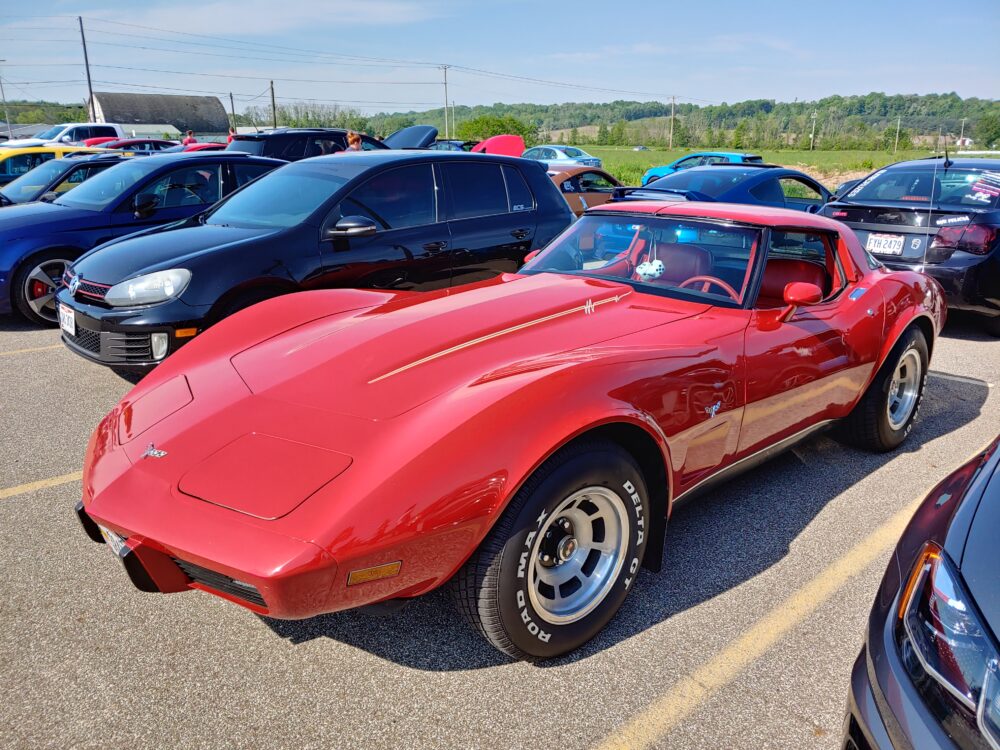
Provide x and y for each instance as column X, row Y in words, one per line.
column 686, row 258
column 285, row 197
column 109, row 186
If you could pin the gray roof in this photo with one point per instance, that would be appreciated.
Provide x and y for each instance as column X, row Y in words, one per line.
column 202, row 114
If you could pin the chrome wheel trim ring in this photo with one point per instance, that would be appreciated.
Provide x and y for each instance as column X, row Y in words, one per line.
column 567, row 590
column 904, row 389
column 44, row 305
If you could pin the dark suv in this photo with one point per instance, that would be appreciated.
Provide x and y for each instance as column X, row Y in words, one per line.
column 398, row 220
column 292, row 144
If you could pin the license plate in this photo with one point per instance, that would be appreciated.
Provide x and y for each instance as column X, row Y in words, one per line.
column 114, row 541
column 67, row 320
column 885, row 244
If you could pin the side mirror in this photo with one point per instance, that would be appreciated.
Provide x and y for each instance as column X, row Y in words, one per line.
column 531, row 256
column 49, row 196
column 353, row 226
column 813, row 208
column 799, row 294
column 144, row 204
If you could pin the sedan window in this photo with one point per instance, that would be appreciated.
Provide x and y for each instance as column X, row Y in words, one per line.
column 395, row 199
column 799, row 192
column 22, row 163
column 594, row 182
column 475, row 189
column 191, row 186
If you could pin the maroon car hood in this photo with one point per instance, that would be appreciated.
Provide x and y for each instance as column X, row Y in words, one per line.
column 380, row 362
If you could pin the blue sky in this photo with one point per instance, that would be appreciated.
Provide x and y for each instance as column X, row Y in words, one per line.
column 702, row 51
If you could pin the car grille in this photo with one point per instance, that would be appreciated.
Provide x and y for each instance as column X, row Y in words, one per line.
column 127, row 347
column 86, row 339
column 220, row 582
column 111, row 347
column 91, row 289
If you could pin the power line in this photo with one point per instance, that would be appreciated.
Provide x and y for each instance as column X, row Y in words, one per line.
column 242, row 96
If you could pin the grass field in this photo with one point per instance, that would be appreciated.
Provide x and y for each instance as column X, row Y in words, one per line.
column 829, row 167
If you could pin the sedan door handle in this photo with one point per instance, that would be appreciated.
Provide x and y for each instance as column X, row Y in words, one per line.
column 520, row 234
column 433, row 247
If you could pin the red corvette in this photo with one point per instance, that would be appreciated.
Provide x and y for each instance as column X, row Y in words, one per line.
column 523, row 438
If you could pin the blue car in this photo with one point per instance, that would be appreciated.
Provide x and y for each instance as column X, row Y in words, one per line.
column 755, row 184
column 701, row 159
column 39, row 240
column 561, row 156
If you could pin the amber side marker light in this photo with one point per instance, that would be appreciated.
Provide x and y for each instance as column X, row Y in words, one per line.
column 928, row 555
column 364, row 575
column 185, row 333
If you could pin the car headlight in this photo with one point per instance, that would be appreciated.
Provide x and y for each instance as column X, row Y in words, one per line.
column 149, row 289
column 948, row 652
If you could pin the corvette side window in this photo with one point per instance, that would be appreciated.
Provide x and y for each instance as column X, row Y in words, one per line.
column 799, row 256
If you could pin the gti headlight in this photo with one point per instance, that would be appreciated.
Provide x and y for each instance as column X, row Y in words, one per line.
column 949, row 653
column 149, row 289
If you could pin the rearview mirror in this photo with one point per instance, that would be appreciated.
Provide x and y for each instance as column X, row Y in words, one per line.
column 144, row 204
column 799, row 294
column 353, row 226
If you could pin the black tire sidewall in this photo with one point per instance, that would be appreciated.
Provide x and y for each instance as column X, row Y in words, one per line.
column 913, row 339
column 603, row 467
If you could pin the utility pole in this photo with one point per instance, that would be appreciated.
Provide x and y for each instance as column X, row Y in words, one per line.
column 673, row 101
column 812, row 136
column 6, row 117
column 896, row 144
column 447, row 133
column 274, row 108
column 86, row 64
column 961, row 135
column 453, row 116
column 232, row 107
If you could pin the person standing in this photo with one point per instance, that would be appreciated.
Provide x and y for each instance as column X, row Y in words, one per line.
column 232, row 132
column 353, row 141
column 189, row 138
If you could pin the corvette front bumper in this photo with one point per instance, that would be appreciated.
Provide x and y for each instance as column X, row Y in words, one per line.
column 289, row 592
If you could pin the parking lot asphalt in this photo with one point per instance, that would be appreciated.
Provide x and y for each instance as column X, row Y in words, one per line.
column 744, row 640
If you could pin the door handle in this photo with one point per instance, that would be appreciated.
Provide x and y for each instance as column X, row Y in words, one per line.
column 433, row 247
column 520, row 234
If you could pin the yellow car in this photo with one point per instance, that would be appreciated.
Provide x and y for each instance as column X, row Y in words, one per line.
column 14, row 162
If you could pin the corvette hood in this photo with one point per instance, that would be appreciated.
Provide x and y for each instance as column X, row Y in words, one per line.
column 382, row 361
column 163, row 248
column 18, row 220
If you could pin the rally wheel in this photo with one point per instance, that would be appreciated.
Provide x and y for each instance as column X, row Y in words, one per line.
column 884, row 416
column 35, row 286
column 559, row 562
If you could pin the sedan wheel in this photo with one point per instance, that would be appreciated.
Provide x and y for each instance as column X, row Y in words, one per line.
column 36, row 287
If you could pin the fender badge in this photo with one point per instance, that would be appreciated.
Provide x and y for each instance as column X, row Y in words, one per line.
column 152, row 452
column 711, row 410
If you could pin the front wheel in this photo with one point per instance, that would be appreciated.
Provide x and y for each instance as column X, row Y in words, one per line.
column 884, row 416
column 35, row 285
column 559, row 562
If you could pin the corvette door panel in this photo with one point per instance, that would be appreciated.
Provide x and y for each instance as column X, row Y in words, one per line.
column 811, row 368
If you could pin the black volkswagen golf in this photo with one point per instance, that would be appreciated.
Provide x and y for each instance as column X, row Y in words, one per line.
column 940, row 216
column 928, row 675
column 384, row 219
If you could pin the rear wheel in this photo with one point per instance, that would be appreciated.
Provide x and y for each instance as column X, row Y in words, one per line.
column 884, row 416
column 559, row 562
column 35, row 285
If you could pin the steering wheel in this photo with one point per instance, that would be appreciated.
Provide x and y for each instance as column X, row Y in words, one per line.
column 707, row 281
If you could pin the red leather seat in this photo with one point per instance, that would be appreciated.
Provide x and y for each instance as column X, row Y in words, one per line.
column 681, row 262
column 779, row 272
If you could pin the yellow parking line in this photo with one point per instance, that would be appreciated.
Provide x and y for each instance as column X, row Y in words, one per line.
column 41, row 484
column 34, row 349
column 684, row 696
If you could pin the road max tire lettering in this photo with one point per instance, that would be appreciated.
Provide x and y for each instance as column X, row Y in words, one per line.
column 633, row 567
column 522, row 606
